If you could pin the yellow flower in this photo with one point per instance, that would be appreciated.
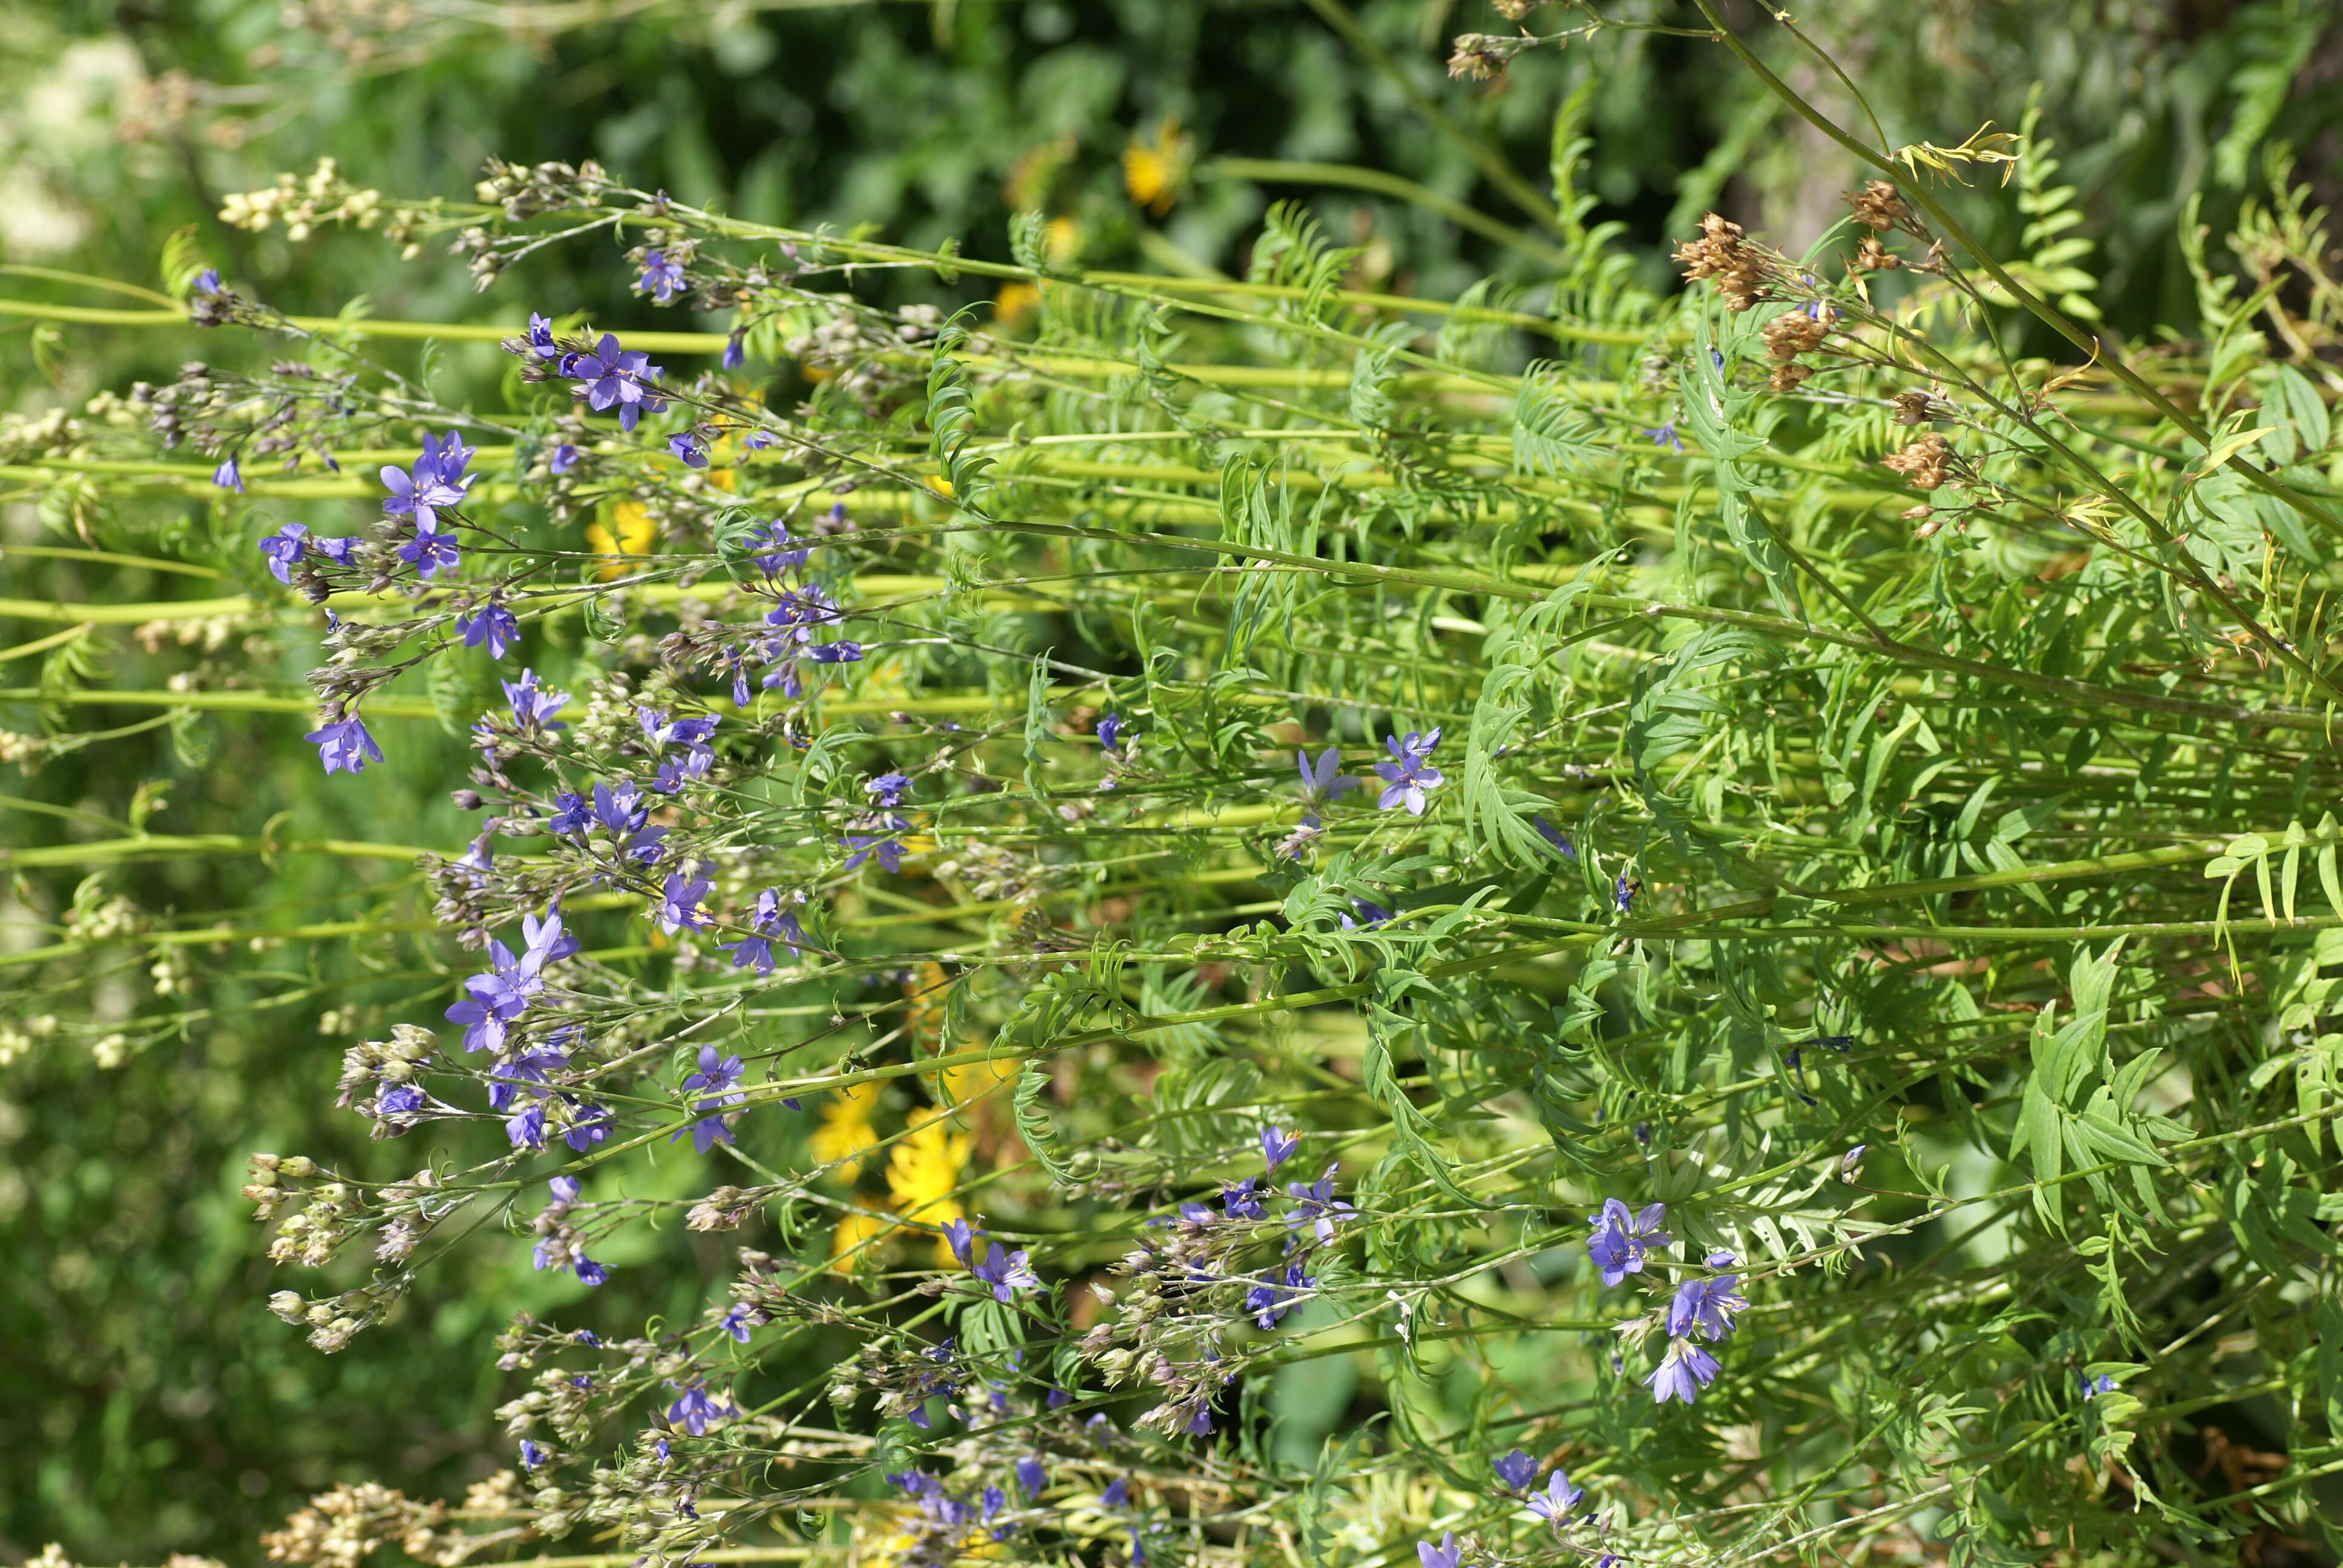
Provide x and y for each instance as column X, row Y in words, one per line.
column 633, row 537
column 846, row 1252
column 1152, row 172
column 1063, row 241
column 923, row 1172
column 1015, row 302
column 845, row 1130
column 973, row 1079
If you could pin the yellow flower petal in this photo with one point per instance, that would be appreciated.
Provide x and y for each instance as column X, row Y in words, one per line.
column 1015, row 302
column 923, row 1171
column 847, row 1251
column 845, row 1129
column 633, row 537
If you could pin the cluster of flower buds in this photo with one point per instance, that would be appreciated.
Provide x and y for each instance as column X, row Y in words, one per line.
column 524, row 190
column 1744, row 271
column 300, row 203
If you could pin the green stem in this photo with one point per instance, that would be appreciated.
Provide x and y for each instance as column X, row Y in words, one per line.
column 1273, row 171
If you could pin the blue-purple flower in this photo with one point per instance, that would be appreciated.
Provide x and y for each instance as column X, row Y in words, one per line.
column 775, row 551
column 1410, row 772
column 531, row 1456
column 1620, row 1240
column 430, row 551
column 716, row 1075
column 690, row 447
column 1031, row 1477
column 496, row 998
column 1109, row 732
column 842, row 652
column 398, row 1100
column 695, row 1411
column 228, row 477
column 1683, row 1372
column 284, row 549
column 1554, row 1503
column 1705, row 1305
column 492, row 624
column 1553, row 835
column 1514, row 1469
column 610, row 376
column 526, row 1128
column 506, row 1078
column 679, row 905
column 571, row 816
column 662, row 277
column 1324, row 783
column 1273, row 1298
column 438, row 479
column 1316, row 1206
column 769, row 922
column 887, row 850
column 1447, row 1555
column 564, row 458
column 1004, row 1271
column 344, row 746
column 1277, row 1146
column 534, row 709
column 540, row 341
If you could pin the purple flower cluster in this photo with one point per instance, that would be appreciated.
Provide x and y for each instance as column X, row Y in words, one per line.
column 1554, row 1504
column 533, row 710
column 438, row 480
column 496, row 998
column 560, row 1247
column 1005, row 1272
column 492, row 624
column 1406, row 776
column 698, row 1410
column 343, row 744
column 882, row 825
column 767, row 924
column 1409, row 771
column 1702, row 1307
column 621, row 814
column 662, row 277
column 610, row 377
column 716, row 1078
column 691, row 734
column 1274, row 1292
column 1620, row 1240
column 286, row 547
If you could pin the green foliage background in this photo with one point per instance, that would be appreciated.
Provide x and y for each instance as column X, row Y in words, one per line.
column 147, row 1402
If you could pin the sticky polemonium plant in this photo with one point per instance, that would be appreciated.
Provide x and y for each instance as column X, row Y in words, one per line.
column 820, row 886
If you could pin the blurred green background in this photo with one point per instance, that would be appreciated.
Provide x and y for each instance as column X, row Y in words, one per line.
column 148, row 1403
